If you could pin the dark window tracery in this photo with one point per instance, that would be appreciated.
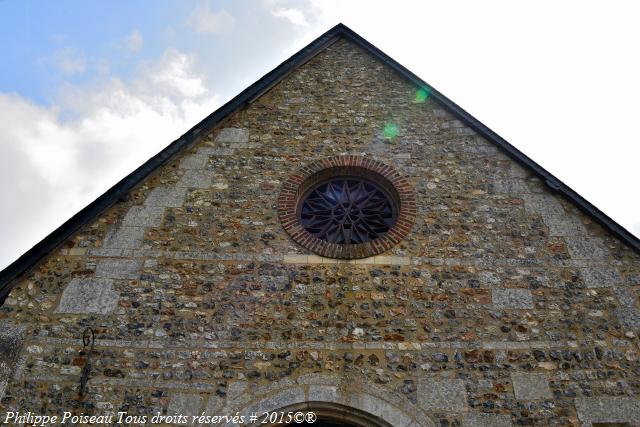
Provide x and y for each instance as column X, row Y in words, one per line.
column 347, row 207
column 347, row 210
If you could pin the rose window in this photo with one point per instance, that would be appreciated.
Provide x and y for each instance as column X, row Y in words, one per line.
column 347, row 210
column 347, row 207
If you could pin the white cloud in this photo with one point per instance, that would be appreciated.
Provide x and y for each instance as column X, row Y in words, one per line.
column 175, row 75
column 68, row 60
column 133, row 42
column 56, row 166
column 541, row 90
column 204, row 20
column 295, row 16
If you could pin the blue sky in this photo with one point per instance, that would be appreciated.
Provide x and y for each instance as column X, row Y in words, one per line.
column 90, row 90
column 53, row 44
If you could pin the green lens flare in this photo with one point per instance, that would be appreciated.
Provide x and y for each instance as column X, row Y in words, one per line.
column 421, row 95
column 390, row 131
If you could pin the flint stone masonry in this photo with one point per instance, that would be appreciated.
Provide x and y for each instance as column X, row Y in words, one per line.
column 441, row 394
column 199, row 296
column 170, row 197
column 88, row 296
column 144, row 216
column 124, row 238
column 512, row 298
column 118, row 268
column 486, row 420
column 530, row 386
column 608, row 410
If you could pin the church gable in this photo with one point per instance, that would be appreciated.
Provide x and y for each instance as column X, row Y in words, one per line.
column 198, row 294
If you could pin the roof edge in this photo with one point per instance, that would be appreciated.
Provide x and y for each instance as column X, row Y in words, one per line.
column 547, row 177
column 124, row 186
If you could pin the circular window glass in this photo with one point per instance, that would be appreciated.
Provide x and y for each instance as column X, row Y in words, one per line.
column 347, row 210
column 347, row 207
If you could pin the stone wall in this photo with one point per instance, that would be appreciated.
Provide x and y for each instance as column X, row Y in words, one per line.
column 504, row 306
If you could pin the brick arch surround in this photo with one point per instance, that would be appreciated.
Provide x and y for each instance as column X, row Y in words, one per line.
column 296, row 185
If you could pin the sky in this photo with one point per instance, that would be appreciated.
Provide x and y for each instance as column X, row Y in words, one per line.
column 91, row 90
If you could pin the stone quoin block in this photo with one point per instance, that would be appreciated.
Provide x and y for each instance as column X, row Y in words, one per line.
column 233, row 135
column 486, row 420
column 84, row 296
column 215, row 404
column 12, row 337
column 143, row 216
column 553, row 215
column 512, row 298
column 118, row 268
column 530, row 386
column 629, row 317
column 194, row 161
column 169, row 197
column 625, row 296
column 442, row 394
column 584, row 247
column 510, row 186
column 600, row 277
column 196, row 179
column 186, row 404
column 608, row 410
column 124, row 238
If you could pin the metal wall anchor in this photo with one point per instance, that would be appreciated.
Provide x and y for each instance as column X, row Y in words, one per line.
column 88, row 340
